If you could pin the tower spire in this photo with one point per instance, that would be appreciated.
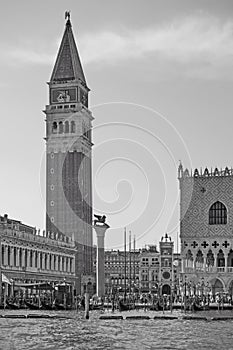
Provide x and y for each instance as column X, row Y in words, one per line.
column 68, row 66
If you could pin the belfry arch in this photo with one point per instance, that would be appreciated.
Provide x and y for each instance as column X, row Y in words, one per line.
column 166, row 289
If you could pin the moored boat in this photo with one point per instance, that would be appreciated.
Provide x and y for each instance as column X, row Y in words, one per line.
column 60, row 306
column 12, row 305
column 33, row 306
column 47, row 306
column 198, row 307
column 124, row 306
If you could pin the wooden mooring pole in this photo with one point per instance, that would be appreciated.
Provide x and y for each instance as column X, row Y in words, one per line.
column 87, row 305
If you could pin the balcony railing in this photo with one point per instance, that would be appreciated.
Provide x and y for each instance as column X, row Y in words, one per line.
column 221, row 269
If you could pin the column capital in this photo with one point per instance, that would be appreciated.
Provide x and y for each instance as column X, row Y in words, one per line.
column 100, row 229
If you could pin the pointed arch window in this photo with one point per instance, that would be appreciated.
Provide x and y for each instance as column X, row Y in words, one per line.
column 218, row 214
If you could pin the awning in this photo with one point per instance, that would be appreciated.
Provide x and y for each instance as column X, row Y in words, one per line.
column 40, row 286
column 5, row 279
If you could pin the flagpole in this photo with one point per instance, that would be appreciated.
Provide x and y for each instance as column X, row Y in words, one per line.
column 134, row 276
column 0, row 269
column 130, row 263
column 125, row 261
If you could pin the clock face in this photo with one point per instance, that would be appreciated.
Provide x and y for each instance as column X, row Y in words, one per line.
column 64, row 95
column 166, row 275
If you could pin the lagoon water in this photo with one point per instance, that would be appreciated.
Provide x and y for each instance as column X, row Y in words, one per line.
column 74, row 332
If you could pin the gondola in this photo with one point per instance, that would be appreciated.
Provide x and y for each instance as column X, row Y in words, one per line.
column 64, row 307
column 32, row 306
column 177, row 306
column 215, row 306
column 96, row 306
column 47, row 306
column 12, row 306
column 125, row 306
column 154, row 307
column 197, row 307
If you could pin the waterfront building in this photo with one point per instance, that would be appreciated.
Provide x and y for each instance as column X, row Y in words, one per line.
column 29, row 259
column 68, row 154
column 149, row 269
column 206, row 229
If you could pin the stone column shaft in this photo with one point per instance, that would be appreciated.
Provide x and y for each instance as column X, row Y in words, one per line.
column 182, row 265
column 28, row 257
column 72, row 265
column 56, row 264
column 43, row 261
column 100, row 262
column 226, row 258
column 38, row 260
column 64, row 261
column 34, row 258
column 52, row 263
column 204, row 264
column 215, row 260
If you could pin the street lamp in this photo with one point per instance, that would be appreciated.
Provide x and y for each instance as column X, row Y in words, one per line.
column 185, row 277
column 202, row 287
column 65, row 293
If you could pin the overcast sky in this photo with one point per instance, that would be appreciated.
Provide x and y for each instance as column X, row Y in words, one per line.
column 161, row 77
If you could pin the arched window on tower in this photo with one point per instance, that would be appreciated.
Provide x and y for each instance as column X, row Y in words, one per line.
column 218, row 214
column 72, row 128
column 66, row 127
column 54, row 128
column 60, row 128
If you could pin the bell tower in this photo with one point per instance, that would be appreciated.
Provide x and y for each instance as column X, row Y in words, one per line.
column 68, row 154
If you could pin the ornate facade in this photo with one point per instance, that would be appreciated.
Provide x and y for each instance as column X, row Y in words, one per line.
column 26, row 257
column 68, row 150
column 206, row 228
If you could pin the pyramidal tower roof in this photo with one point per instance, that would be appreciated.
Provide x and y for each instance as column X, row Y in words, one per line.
column 68, row 65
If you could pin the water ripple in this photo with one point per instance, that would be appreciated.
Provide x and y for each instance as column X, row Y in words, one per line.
column 78, row 333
